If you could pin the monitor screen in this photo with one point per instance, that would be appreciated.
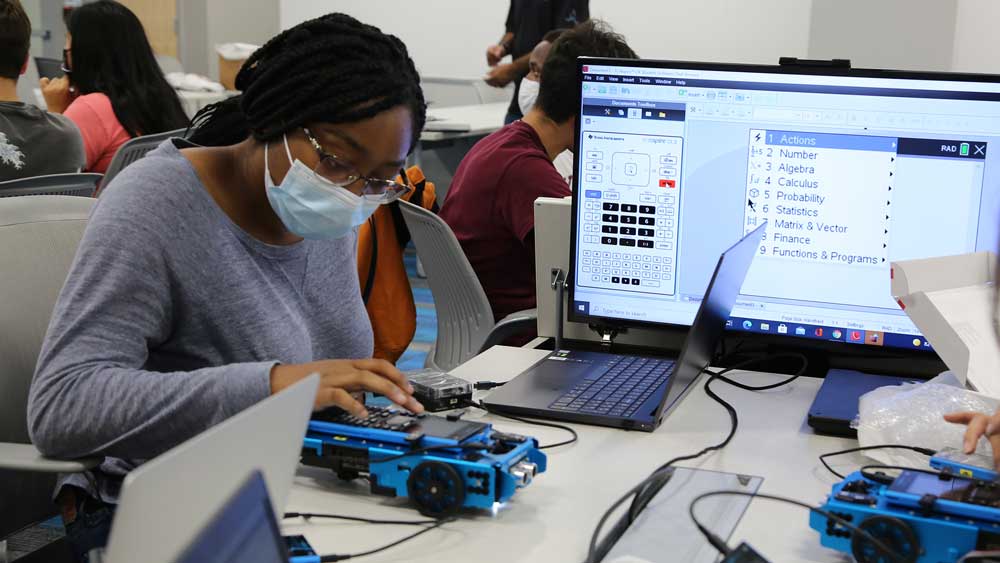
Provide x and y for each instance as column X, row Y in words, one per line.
column 851, row 169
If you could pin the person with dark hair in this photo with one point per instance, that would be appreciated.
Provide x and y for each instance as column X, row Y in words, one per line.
column 490, row 203
column 211, row 277
column 527, row 23
column 114, row 89
column 32, row 142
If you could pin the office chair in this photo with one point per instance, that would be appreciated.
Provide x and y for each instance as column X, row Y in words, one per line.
column 38, row 239
column 133, row 150
column 74, row 184
column 464, row 316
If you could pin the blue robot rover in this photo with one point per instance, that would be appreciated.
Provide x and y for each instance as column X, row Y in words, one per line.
column 441, row 464
column 922, row 516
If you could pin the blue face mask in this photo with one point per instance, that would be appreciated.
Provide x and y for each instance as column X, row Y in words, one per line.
column 312, row 207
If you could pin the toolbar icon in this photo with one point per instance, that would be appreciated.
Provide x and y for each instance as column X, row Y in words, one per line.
column 782, row 329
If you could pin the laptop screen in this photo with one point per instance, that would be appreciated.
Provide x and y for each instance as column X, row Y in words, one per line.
column 243, row 531
column 852, row 170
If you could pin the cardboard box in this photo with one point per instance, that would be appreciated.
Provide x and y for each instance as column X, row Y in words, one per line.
column 228, row 69
column 952, row 300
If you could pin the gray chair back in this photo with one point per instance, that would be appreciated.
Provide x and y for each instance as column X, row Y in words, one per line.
column 38, row 239
column 133, row 150
column 82, row 184
column 464, row 316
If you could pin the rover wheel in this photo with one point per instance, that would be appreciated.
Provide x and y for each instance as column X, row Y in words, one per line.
column 437, row 488
column 896, row 534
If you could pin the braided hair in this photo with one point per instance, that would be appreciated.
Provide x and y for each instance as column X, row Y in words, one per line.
column 332, row 69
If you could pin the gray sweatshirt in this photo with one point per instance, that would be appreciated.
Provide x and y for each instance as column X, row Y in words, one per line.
column 172, row 318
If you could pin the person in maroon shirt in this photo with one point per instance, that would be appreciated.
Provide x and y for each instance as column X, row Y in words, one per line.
column 490, row 204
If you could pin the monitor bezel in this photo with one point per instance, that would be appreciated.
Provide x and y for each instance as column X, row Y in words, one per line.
column 805, row 69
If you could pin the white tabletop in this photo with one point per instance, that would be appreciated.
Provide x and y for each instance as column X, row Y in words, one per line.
column 553, row 518
column 482, row 119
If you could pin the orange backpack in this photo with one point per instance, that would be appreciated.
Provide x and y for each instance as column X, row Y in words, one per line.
column 385, row 286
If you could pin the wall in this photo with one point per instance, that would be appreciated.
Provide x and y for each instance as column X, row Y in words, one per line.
column 977, row 43
column 452, row 35
column 448, row 39
column 758, row 31
column 895, row 34
column 206, row 23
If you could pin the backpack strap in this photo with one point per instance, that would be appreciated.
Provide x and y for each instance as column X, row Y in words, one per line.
column 366, row 292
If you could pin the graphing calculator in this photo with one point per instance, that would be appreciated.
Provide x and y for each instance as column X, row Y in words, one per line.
column 972, row 466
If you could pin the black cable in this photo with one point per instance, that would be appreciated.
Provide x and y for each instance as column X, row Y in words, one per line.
column 343, row 556
column 919, row 450
column 720, row 375
column 659, row 478
column 714, row 539
column 310, row 515
column 646, row 490
column 655, row 485
column 575, row 437
column 884, row 479
column 486, row 385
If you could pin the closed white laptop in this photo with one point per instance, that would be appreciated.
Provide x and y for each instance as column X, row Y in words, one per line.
column 167, row 501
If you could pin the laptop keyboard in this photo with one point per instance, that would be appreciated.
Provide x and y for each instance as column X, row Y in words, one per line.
column 620, row 391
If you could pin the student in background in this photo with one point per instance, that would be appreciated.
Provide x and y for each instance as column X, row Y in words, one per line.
column 115, row 90
column 527, row 23
column 33, row 142
column 528, row 95
column 490, row 204
column 211, row 277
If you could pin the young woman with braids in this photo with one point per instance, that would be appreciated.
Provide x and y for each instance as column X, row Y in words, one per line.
column 211, row 277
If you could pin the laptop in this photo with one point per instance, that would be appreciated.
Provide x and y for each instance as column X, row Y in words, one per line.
column 166, row 502
column 623, row 391
column 836, row 404
column 244, row 530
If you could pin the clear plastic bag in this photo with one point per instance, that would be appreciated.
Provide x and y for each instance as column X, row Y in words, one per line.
column 912, row 415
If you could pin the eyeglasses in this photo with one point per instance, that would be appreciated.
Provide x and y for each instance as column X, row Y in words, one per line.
column 341, row 173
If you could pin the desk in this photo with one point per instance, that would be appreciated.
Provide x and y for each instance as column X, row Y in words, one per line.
column 482, row 120
column 553, row 518
column 446, row 149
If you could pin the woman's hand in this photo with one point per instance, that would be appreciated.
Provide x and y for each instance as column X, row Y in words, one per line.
column 57, row 92
column 340, row 378
column 978, row 425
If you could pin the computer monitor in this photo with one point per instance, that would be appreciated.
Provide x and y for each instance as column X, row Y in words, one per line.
column 853, row 169
column 244, row 530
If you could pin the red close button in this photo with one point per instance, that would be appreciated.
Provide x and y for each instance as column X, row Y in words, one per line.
column 668, row 183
